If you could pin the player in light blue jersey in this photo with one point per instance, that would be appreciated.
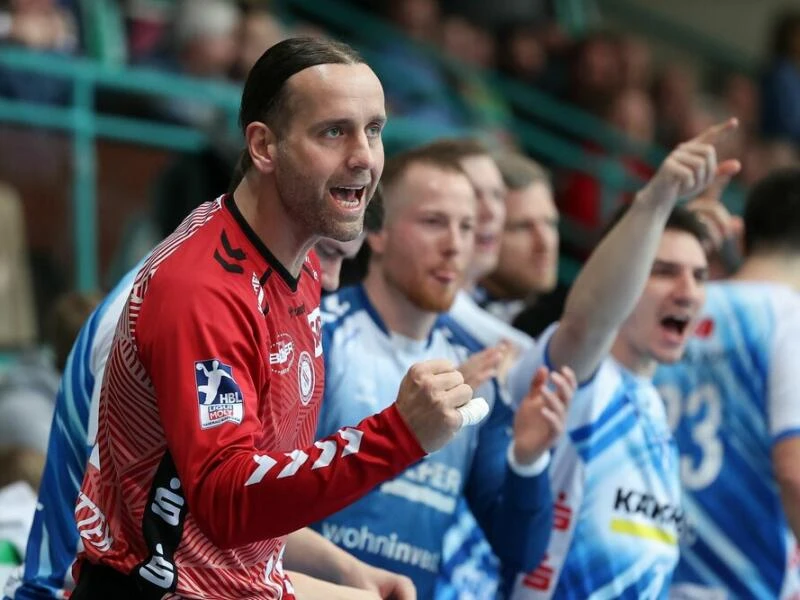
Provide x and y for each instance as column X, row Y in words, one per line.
column 373, row 332
column 53, row 540
column 516, row 183
column 615, row 472
column 734, row 405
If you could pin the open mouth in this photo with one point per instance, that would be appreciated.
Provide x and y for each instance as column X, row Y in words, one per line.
column 675, row 324
column 485, row 239
column 348, row 196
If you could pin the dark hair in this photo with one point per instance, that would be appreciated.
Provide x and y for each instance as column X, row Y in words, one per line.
column 680, row 219
column 373, row 216
column 265, row 96
column 784, row 28
column 520, row 172
column 772, row 213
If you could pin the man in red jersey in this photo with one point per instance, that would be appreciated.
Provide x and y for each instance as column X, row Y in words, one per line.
column 205, row 456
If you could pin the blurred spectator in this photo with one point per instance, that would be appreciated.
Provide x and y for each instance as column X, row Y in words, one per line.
column 414, row 82
column 780, row 108
column 37, row 25
column 595, row 71
column 636, row 63
column 205, row 37
column 27, row 399
column 28, row 383
column 468, row 42
column 522, row 54
column 148, row 26
column 632, row 113
column 259, row 31
column 419, row 19
column 588, row 201
column 23, row 465
column 473, row 46
column 203, row 45
column 522, row 289
column 19, row 479
column 741, row 97
column 28, row 388
column 673, row 93
column 761, row 158
column 494, row 14
column 18, row 328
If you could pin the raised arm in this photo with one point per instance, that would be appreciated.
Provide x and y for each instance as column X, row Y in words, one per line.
column 610, row 283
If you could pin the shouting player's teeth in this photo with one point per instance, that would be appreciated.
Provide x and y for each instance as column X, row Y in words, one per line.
column 349, row 197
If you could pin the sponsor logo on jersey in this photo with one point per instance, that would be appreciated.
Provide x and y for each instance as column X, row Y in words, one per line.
column 92, row 524
column 653, row 520
column 704, row 328
column 562, row 513
column 432, row 483
column 305, row 377
column 386, row 545
column 311, row 268
column 315, row 323
column 296, row 311
column 540, row 578
column 259, row 292
column 281, row 354
column 218, row 395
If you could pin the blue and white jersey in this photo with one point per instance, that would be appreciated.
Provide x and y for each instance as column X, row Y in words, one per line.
column 53, row 541
column 470, row 559
column 486, row 328
column 614, row 475
column 401, row 525
column 735, row 394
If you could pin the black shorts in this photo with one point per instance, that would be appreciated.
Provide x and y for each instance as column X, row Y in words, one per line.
column 99, row 582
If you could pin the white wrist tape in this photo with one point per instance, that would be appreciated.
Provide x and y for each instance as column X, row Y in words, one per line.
column 473, row 412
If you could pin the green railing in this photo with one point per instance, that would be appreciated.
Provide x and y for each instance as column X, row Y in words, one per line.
column 555, row 132
column 85, row 125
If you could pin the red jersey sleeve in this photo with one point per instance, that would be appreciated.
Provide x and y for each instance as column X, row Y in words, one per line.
column 201, row 348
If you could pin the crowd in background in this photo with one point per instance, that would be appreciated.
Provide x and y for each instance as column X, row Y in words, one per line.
column 610, row 75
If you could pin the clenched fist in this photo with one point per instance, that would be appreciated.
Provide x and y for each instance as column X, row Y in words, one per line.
column 540, row 418
column 429, row 398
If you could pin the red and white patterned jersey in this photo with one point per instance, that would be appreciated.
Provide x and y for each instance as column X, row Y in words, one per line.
column 205, row 456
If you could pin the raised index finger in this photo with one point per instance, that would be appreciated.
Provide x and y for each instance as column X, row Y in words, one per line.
column 716, row 133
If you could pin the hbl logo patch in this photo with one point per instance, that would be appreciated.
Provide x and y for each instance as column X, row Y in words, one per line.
column 218, row 394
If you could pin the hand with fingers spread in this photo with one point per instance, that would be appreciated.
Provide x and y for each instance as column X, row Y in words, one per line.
column 541, row 415
column 692, row 167
column 482, row 366
column 429, row 398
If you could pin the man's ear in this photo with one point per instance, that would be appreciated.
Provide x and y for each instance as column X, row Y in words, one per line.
column 261, row 144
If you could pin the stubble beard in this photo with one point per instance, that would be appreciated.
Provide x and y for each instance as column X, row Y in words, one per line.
column 421, row 296
column 309, row 207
